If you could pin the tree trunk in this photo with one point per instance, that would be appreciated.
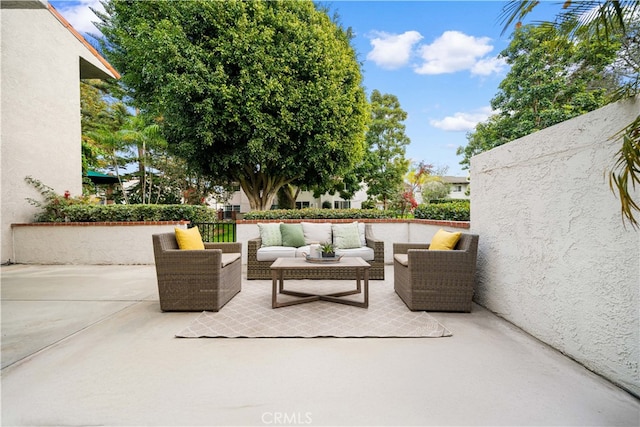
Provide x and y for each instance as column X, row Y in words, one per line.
column 261, row 189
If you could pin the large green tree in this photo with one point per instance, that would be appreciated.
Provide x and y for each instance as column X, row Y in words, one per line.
column 552, row 79
column 384, row 165
column 264, row 93
column 604, row 20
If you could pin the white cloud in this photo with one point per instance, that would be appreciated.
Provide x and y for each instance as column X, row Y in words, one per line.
column 454, row 51
column 462, row 121
column 487, row 66
column 81, row 17
column 393, row 51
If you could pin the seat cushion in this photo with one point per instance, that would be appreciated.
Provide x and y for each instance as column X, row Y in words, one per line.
column 271, row 253
column 364, row 252
column 228, row 258
column 402, row 259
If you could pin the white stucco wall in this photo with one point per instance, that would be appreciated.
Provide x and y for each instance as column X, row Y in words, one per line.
column 554, row 256
column 87, row 244
column 40, row 121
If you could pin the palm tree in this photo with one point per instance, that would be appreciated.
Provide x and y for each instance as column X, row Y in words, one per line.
column 603, row 19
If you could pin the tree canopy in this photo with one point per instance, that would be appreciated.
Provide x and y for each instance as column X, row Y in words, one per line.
column 384, row 165
column 552, row 79
column 260, row 93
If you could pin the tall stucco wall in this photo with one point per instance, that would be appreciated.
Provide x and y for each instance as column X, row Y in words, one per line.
column 40, row 129
column 554, row 256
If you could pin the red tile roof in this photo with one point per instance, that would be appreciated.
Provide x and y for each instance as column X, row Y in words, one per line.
column 83, row 41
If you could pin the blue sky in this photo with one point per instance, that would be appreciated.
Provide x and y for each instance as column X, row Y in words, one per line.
column 438, row 57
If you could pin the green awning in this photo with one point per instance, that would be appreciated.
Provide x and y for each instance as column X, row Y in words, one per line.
column 101, row 178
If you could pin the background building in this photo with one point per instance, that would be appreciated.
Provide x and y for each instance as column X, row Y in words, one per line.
column 43, row 59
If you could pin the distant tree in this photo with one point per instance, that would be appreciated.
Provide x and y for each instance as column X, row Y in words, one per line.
column 417, row 176
column 97, row 114
column 384, row 165
column 435, row 188
column 260, row 93
column 552, row 79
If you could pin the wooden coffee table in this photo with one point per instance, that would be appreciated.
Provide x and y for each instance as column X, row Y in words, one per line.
column 281, row 265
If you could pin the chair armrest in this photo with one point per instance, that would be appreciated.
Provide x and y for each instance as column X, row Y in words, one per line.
column 191, row 257
column 435, row 260
column 402, row 248
column 252, row 248
column 225, row 247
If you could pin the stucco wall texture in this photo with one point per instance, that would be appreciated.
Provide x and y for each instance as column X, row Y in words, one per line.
column 40, row 128
column 554, row 256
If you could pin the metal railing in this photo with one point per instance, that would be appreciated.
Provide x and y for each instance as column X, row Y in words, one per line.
column 223, row 231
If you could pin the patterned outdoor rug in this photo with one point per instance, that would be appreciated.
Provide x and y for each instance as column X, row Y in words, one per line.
column 249, row 314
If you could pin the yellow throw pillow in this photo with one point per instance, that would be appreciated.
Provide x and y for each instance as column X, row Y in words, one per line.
column 444, row 240
column 189, row 239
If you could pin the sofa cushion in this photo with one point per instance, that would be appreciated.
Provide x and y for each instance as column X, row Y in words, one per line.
column 189, row 239
column 270, row 234
column 316, row 232
column 403, row 259
column 444, row 240
column 346, row 236
column 361, row 230
column 363, row 252
column 292, row 235
column 228, row 258
column 271, row 253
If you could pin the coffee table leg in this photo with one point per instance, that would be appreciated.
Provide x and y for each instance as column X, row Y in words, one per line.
column 366, row 287
column 274, row 288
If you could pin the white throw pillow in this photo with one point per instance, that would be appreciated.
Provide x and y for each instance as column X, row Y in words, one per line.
column 316, row 232
column 361, row 229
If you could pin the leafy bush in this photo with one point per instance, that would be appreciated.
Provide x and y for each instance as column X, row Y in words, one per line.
column 458, row 210
column 313, row 213
column 111, row 213
column 56, row 208
column 54, row 204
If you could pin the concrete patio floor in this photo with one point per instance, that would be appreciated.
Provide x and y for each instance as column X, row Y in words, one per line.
column 88, row 345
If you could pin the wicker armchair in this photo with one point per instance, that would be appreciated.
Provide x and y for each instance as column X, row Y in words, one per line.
column 196, row 280
column 436, row 280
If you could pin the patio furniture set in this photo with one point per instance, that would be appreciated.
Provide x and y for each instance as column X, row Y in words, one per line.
column 197, row 276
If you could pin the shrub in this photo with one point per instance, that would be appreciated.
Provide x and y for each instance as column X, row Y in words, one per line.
column 313, row 213
column 458, row 210
column 56, row 208
column 110, row 213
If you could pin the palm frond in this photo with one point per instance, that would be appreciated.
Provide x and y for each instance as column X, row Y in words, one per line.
column 599, row 17
column 626, row 173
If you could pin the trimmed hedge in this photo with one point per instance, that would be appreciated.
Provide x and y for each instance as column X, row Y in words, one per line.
column 313, row 213
column 458, row 210
column 116, row 213
column 450, row 211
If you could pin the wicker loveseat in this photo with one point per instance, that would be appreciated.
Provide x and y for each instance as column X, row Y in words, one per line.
column 436, row 280
column 260, row 268
column 196, row 280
